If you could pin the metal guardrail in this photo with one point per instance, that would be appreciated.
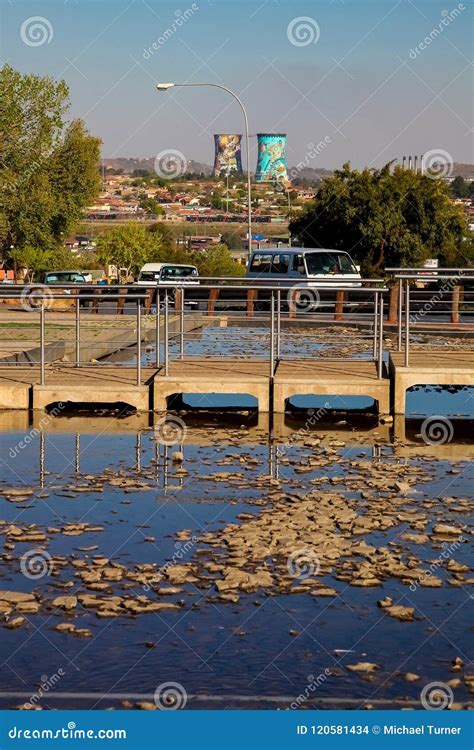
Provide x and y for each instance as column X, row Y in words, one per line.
column 282, row 313
column 413, row 293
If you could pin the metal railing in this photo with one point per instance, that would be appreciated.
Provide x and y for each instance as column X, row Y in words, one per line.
column 440, row 297
column 265, row 321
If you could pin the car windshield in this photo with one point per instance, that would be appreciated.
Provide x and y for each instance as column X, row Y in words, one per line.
column 70, row 278
column 178, row 272
column 327, row 263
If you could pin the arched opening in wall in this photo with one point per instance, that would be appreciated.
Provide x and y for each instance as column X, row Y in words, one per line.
column 332, row 410
column 440, row 414
column 234, row 408
column 117, row 409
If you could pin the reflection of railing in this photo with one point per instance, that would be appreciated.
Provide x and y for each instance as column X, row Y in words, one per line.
column 425, row 295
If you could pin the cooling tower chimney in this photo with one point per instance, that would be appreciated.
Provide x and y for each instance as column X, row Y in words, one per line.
column 271, row 159
column 228, row 155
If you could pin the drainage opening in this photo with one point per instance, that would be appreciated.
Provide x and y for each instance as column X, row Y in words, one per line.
column 118, row 409
column 356, row 412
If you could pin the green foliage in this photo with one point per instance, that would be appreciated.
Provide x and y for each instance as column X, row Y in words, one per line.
column 231, row 239
column 49, row 168
column 129, row 246
column 30, row 261
column 217, row 261
column 384, row 218
column 150, row 205
column 461, row 188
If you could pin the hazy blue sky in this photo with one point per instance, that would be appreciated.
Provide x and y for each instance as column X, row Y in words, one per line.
column 359, row 80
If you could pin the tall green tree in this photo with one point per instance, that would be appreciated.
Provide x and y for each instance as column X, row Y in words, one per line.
column 49, row 167
column 385, row 217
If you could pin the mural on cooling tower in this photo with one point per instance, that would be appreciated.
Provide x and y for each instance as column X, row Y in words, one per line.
column 271, row 160
column 228, row 154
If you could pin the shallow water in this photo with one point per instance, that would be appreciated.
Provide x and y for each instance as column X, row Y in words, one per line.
column 267, row 644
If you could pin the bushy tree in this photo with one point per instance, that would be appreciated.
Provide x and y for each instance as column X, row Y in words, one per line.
column 385, row 218
column 48, row 167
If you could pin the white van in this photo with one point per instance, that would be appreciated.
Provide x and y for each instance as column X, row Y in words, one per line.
column 318, row 266
column 153, row 274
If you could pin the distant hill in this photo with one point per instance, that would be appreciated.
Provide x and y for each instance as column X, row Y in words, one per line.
column 309, row 174
column 463, row 170
column 129, row 165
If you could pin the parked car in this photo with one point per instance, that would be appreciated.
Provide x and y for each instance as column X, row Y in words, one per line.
column 156, row 274
column 62, row 277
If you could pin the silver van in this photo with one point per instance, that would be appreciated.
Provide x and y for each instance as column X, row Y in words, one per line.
column 317, row 266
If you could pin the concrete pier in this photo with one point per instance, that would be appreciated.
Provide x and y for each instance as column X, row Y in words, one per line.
column 222, row 375
column 428, row 368
column 329, row 378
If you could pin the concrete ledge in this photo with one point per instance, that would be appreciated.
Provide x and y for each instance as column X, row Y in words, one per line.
column 14, row 395
column 136, row 396
column 257, row 386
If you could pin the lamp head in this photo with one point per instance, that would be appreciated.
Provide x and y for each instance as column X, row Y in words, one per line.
column 164, row 86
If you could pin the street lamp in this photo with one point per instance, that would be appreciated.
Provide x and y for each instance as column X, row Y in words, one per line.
column 166, row 86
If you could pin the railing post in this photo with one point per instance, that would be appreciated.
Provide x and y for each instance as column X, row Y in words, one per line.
column 400, row 313
column 393, row 303
column 278, row 323
column 78, row 331
column 139, row 342
column 149, row 299
column 376, row 318
column 455, row 304
column 272, row 334
column 407, row 323
column 166, row 333
column 251, row 296
column 339, row 306
column 380, row 361
column 211, row 302
column 179, row 304
column 42, row 332
column 121, row 301
column 158, row 321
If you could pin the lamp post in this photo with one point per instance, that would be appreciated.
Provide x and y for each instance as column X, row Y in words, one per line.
column 166, row 86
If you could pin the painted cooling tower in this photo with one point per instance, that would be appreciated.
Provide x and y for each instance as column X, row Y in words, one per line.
column 228, row 157
column 271, row 160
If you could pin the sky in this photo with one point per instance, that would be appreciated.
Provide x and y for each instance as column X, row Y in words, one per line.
column 367, row 81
